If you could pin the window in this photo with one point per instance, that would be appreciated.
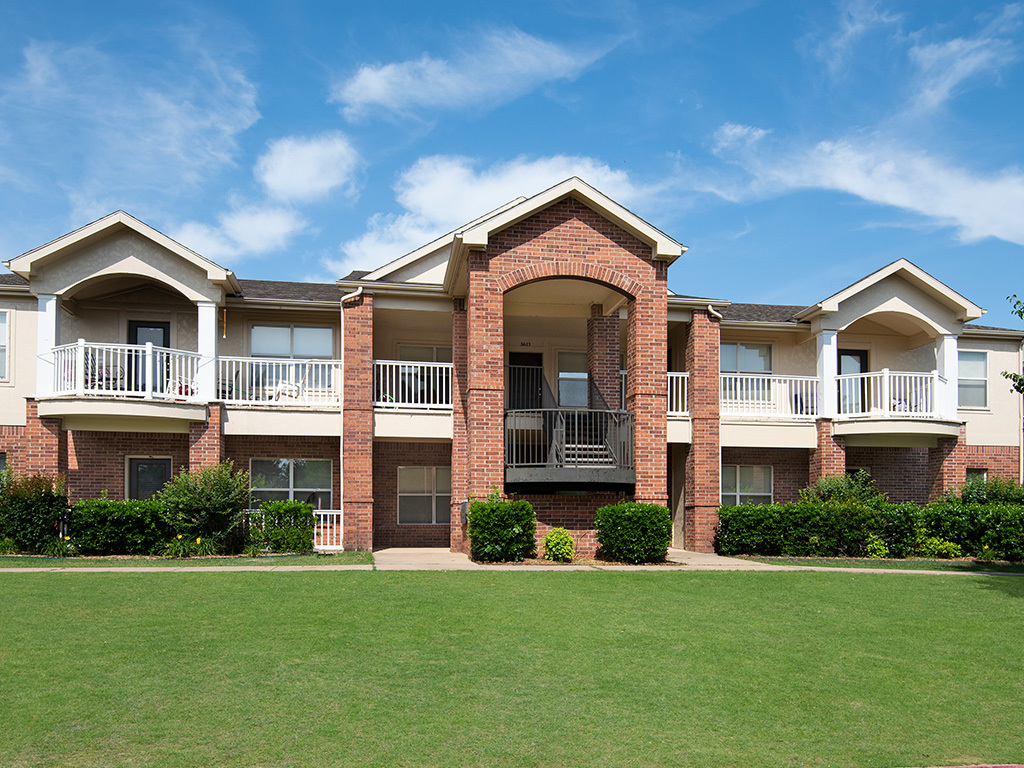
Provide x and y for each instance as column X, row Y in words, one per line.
column 3, row 462
column 973, row 382
column 424, row 495
column 147, row 476
column 746, row 358
column 746, row 485
column 3, row 345
column 421, row 353
column 293, row 341
column 977, row 474
column 307, row 480
column 572, row 379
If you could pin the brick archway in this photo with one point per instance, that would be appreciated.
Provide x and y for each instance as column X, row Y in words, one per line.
column 589, row 271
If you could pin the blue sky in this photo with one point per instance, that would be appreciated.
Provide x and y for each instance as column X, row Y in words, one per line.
column 794, row 146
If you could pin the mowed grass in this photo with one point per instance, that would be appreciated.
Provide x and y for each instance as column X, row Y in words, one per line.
column 910, row 564
column 510, row 669
column 31, row 561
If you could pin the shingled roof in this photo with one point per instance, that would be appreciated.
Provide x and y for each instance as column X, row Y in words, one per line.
column 287, row 291
column 762, row 313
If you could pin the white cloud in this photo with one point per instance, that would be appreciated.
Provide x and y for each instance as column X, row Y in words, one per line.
column 242, row 231
column 943, row 67
column 732, row 135
column 307, row 169
column 887, row 173
column 500, row 66
column 442, row 192
column 116, row 126
column 858, row 18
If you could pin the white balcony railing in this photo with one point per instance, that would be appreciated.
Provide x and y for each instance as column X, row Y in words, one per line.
column 125, row 370
column 889, row 394
column 328, row 530
column 412, row 386
column 677, row 394
column 759, row 394
column 284, row 382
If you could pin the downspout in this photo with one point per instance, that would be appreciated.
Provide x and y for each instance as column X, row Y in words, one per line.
column 341, row 410
column 713, row 312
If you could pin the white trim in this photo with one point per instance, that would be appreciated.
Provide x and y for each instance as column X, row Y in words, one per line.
column 987, row 406
column 771, row 473
column 433, row 493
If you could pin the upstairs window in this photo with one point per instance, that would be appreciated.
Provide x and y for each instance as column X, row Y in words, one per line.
column 422, row 353
column 292, row 341
column 973, row 381
column 739, row 357
column 572, row 379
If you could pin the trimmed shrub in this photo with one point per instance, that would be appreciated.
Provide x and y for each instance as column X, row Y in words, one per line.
column 559, row 546
column 992, row 491
column 112, row 527
column 282, row 526
column 634, row 532
column 206, row 503
column 856, row 487
column 502, row 529
column 31, row 508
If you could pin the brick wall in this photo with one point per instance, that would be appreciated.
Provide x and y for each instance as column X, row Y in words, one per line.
column 947, row 467
column 830, row 456
column 205, row 439
column 460, row 433
column 702, row 480
column 574, row 513
column 43, row 448
column 97, row 460
column 12, row 443
column 387, row 458
column 603, row 358
column 1000, row 460
column 358, row 423
column 789, row 468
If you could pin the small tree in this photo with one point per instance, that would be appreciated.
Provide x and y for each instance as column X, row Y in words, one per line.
column 1015, row 377
column 206, row 502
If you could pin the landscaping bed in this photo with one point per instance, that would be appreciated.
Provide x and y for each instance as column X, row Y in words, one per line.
column 129, row 561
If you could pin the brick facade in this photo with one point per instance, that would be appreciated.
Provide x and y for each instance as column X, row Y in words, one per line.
column 702, row 479
column 574, row 513
column 830, row 456
column 603, row 359
column 97, row 461
column 999, row 460
column 205, row 438
column 357, row 424
column 900, row 473
column 387, row 458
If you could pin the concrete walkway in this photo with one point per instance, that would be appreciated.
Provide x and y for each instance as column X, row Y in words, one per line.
column 436, row 559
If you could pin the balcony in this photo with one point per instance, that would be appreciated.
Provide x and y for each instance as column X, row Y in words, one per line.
column 889, row 394
column 125, row 371
column 571, row 448
column 401, row 385
column 758, row 395
column 265, row 382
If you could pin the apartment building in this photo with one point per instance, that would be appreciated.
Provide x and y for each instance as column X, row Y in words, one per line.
column 536, row 351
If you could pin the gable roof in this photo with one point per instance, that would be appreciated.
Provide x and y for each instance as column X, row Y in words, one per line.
column 25, row 264
column 963, row 308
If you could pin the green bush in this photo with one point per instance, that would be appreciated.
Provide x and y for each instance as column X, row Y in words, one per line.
column 876, row 549
column 7, row 546
column 991, row 491
column 282, row 526
column 501, row 529
column 112, row 527
column 634, row 532
column 31, row 508
column 559, row 546
column 206, row 503
column 935, row 548
column 856, row 487
column 181, row 546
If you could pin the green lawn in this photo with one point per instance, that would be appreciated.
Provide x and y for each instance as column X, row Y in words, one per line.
column 967, row 566
column 338, row 558
column 510, row 669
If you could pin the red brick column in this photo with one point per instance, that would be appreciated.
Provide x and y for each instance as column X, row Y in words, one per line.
column 947, row 465
column 460, row 434
column 830, row 456
column 206, row 438
column 647, row 389
column 603, row 359
column 485, row 413
column 702, row 487
column 357, row 436
column 44, row 449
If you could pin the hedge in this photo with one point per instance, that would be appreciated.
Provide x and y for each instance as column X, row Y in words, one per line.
column 112, row 527
column 633, row 532
column 501, row 530
column 282, row 526
column 31, row 508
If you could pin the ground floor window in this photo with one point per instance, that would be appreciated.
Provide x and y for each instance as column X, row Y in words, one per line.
column 424, row 495
column 147, row 476
column 744, row 484
column 307, row 480
column 976, row 474
column 3, row 462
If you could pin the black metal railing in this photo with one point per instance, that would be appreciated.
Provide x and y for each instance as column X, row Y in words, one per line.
column 568, row 438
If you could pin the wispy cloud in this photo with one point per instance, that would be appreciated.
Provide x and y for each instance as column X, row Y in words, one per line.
column 497, row 67
column 442, row 192
column 109, row 127
column 944, row 66
column 307, row 169
column 857, row 18
column 885, row 172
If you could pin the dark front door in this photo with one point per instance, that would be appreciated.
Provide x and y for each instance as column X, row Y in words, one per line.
column 525, row 380
column 147, row 476
column 143, row 332
column 853, row 393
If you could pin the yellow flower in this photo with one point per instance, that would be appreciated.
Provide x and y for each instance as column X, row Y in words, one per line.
column 199, row 540
column 67, row 538
column 179, row 535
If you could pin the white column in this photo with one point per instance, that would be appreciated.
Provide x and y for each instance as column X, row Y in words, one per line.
column 207, row 346
column 947, row 362
column 828, row 369
column 47, row 337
